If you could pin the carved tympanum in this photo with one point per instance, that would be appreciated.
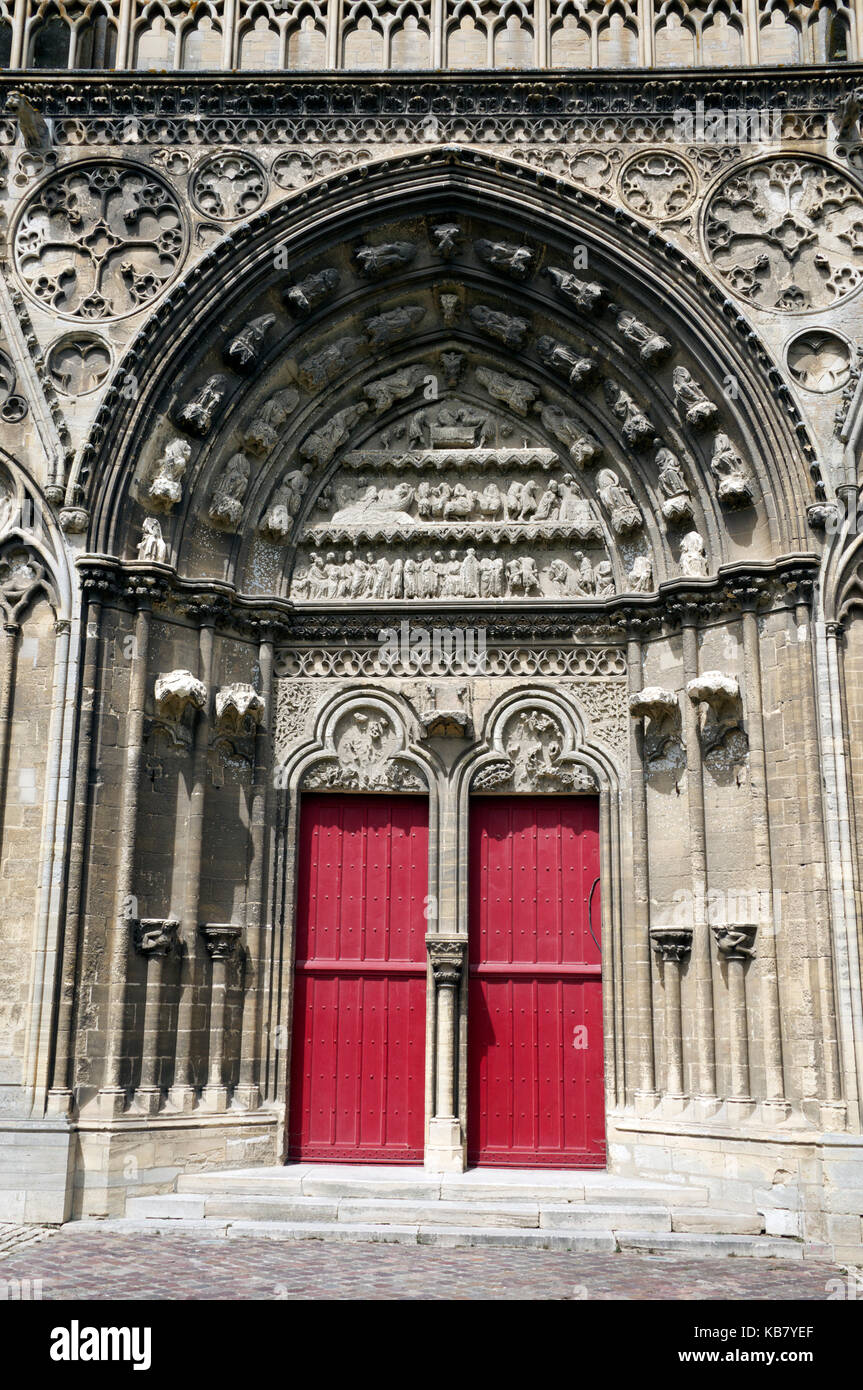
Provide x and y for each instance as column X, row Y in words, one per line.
column 533, row 742
column 367, row 746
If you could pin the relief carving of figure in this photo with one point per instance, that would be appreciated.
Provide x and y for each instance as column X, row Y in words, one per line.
column 152, row 546
column 197, row 415
column 307, row 294
column 569, row 581
column 603, row 579
column 652, row 347
column 459, row 505
column 491, row 576
column 577, row 370
column 262, row 433
column 384, row 393
column 692, row 404
column 636, row 428
column 320, row 446
column 548, row 506
column 364, row 747
column 321, row 368
column 388, row 508
column 586, row 295
column 502, row 255
column 577, row 511
column 226, row 503
column 693, row 556
column 375, row 261
column 490, row 501
column 517, row 393
column 729, row 470
column 387, row 328
column 243, row 352
column 676, row 505
column 505, row 328
column 641, row 575
column 165, row 490
column 534, row 744
column 285, row 504
column 624, row 514
column 582, row 448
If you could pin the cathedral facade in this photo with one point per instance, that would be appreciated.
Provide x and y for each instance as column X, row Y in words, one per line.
column 431, row 713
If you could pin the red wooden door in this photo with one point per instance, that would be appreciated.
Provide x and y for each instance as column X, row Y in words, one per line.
column 535, row 1069
column 358, row 1052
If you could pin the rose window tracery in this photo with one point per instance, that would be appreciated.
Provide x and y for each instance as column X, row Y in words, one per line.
column 99, row 240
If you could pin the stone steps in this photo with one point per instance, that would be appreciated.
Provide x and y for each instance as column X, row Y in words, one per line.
column 416, row 1184
column 685, row 1245
column 590, row 1212
column 374, row 1211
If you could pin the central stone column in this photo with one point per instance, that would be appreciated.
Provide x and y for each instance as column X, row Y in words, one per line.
column 445, row 1151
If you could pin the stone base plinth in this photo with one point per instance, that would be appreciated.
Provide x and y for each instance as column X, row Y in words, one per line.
column 445, row 1152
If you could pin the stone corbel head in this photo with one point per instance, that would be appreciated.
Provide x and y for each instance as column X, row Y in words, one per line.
column 239, row 709
column 721, row 712
column 176, row 692
column 660, row 711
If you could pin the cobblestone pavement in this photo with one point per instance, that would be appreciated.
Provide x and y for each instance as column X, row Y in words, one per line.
column 104, row 1265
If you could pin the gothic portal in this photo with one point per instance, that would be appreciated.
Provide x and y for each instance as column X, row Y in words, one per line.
column 431, row 716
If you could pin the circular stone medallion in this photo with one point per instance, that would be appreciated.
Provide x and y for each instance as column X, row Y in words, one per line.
column 229, row 185
column 819, row 360
column 657, row 185
column 787, row 234
column 99, row 240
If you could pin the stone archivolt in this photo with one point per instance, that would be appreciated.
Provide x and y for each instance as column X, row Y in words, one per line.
column 500, row 517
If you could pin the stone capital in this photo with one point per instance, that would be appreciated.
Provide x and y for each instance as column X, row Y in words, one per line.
column 221, row 939
column 671, row 943
column 447, row 957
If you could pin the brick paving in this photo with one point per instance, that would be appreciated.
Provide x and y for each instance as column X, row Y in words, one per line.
column 92, row 1264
